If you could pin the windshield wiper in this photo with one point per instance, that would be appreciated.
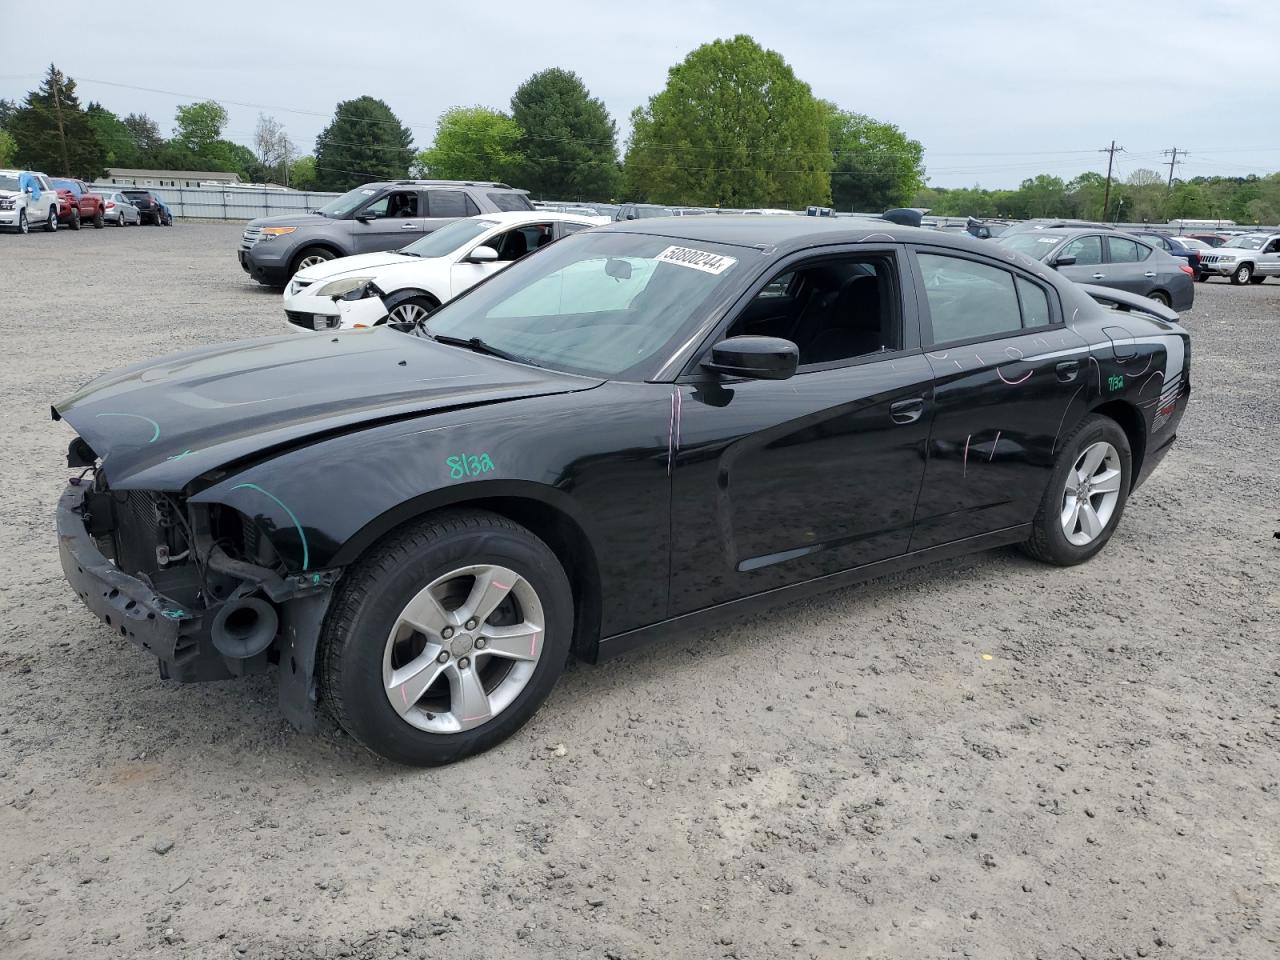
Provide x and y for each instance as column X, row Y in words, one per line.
column 479, row 346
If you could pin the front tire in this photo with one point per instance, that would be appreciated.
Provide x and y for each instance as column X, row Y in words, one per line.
column 1256, row 279
column 405, row 314
column 23, row 225
column 1086, row 494
column 1243, row 274
column 311, row 257
column 51, row 221
column 446, row 638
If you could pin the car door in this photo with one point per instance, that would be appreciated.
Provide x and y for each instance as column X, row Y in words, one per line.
column 1006, row 372
column 388, row 222
column 779, row 481
column 445, row 206
column 510, row 245
column 1269, row 258
column 1128, row 265
column 1089, row 266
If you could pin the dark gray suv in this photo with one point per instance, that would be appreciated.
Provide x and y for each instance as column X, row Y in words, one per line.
column 374, row 217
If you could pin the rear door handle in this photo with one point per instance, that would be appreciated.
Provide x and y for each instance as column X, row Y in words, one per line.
column 907, row 411
column 1099, row 276
column 1150, row 274
column 1068, row 370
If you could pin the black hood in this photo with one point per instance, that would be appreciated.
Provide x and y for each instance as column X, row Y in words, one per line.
column 158, row 425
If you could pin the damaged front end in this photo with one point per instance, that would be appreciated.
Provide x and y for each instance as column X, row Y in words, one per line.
column 198, row 585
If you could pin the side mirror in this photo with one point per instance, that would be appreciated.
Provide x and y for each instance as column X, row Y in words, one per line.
column 758, row 358
column 1063, row 261
column 364, row 216
column 482, row 255
column 630, row 216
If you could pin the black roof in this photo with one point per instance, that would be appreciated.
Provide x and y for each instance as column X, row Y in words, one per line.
column 796, row 232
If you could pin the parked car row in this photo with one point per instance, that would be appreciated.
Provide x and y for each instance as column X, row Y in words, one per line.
column 31, row 200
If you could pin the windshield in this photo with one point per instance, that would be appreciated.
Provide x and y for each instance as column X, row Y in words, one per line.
column 8, row 182
column 1248, row 243
column 606, row 305
column 1194, row 244
column 59, row 184
column 339, row 207
column 1035, row 245
column 447, row 239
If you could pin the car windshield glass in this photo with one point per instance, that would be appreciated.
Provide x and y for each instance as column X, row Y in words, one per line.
column 8, row 182
column 607, row 305
column 448, row 238
column 1193, row 244
column 339, row 207
column 1036, row 245
column 1248, row 243
column 136, row 194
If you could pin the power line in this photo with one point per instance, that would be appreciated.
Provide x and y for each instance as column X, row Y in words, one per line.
column 1173, row 161
column 1111, row 156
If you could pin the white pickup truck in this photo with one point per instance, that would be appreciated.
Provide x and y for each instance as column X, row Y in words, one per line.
column 26, row 200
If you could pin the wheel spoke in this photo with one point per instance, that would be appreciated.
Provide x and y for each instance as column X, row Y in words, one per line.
column 410, row 682
column 469, row 702
column 425, row 614
column 1107, row 482
column 1090, row 524
column 1070, row 514
column 1093, row 459
column 490, row 589
column 517, row 642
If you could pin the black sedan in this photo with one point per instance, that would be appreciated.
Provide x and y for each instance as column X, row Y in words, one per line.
column 1110, row 259
column 632, row 432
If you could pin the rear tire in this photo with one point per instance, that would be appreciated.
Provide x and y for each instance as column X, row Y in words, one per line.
column 1256, row 279
column 1243, row 274
column 366, row 648
column 1049, row 541
column 75, row 220
column 99, row 221
column 1159, row 296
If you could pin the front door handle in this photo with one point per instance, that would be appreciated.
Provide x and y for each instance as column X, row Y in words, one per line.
column 408, row 226
column 1099, row 276
column 1068, row 370
column 907, row 411
column 1150, row 274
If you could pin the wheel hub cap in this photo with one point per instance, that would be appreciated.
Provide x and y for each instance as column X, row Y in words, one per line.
column 1091, row 493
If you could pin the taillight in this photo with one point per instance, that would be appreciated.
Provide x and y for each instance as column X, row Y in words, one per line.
column 110, row 204
column 1187, row 270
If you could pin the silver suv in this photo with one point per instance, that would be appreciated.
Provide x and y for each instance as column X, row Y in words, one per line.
column 374, row 217
column 1247, row 258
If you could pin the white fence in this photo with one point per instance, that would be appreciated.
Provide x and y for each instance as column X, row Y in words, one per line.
column 236, row 203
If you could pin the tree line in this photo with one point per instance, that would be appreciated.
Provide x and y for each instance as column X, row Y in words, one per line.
column 1142, row 196
column 732, row 127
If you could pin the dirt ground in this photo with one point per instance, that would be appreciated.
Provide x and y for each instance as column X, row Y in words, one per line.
column 987, row 758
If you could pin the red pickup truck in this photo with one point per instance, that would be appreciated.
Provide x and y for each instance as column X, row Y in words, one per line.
column 77, row 203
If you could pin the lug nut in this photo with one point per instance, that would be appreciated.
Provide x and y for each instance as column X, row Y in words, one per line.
column 447, row 632
column 444, row 656
column 471, row 624
column 464, row 663
column 480, row 642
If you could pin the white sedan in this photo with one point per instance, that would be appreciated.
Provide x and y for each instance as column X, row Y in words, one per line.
column 401, row 287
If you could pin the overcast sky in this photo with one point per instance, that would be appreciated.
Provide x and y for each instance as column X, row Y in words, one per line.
column 996, row 91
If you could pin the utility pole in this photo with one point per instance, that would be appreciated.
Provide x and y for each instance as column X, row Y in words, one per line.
column 1111, row 152
column 1173, row 159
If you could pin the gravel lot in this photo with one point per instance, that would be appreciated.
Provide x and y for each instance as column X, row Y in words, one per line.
column 986, row 758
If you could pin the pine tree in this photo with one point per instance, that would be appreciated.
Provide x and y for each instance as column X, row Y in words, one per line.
column 53, row 131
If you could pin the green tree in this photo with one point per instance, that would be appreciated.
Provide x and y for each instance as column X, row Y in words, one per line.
column 473, row 143
column 734, row 127
column 145, row 131
column 302, row 173
column 568, row 139
column 200, row 125
column 365, row 141
column 7, row 109
column 53, row 131
column 122, row 149
column 8, row 149
column 874, row 165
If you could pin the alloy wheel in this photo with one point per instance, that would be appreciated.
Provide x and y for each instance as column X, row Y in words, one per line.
column 23, row 225
column 51, row 222
column 311, row 261
column 1091, row 493
column 463, row 649
column 406, row 316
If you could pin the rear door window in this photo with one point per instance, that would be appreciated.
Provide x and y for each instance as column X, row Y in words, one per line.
column 968, row 300
column 508, row 202
column 1124, row 250
column 448, row 203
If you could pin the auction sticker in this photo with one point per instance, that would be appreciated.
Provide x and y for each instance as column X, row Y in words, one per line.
column 696, row 259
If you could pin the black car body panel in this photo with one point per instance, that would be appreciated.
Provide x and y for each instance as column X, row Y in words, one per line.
column 668, row 499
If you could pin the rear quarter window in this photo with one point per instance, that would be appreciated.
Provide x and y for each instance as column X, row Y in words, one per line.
column 509, row 202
